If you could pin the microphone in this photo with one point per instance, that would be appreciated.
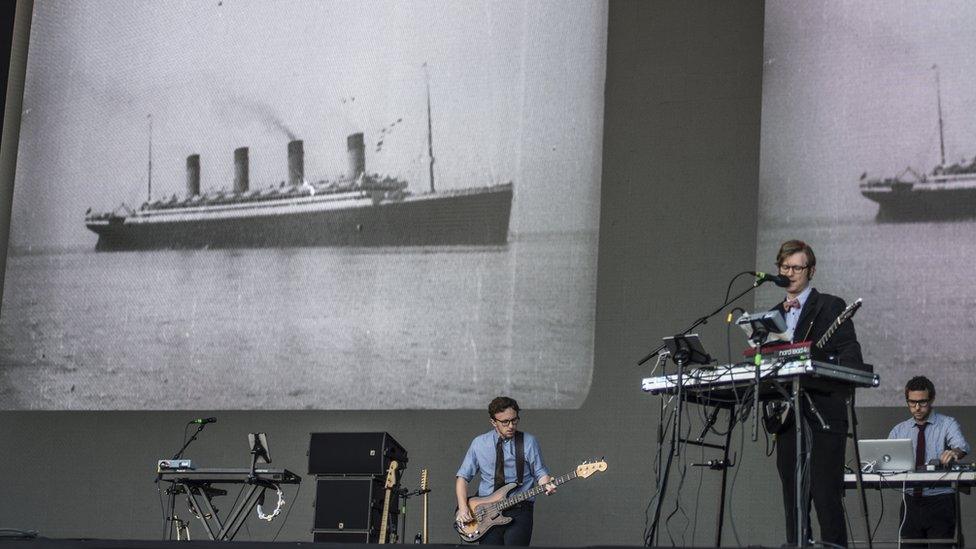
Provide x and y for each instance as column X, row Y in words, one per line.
column 204, row 420
column 780, row 280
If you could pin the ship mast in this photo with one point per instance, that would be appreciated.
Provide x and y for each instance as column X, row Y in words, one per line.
column 430, row 133
column 149, row 192
column 938, row 97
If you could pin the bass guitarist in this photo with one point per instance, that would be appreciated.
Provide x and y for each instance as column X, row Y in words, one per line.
column 503, row 455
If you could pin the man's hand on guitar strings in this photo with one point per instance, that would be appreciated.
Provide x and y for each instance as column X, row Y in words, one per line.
column 550, row 487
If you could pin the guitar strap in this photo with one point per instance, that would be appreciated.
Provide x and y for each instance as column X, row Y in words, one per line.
column 519, row 457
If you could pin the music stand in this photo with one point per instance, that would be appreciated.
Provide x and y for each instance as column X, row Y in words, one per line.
column 259, row 447
column 259, row 451
column 763, row 324
column 687, row 349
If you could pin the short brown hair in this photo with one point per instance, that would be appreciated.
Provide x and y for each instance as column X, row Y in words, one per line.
column 791, row 247
column 500, row 404
column 920, row 383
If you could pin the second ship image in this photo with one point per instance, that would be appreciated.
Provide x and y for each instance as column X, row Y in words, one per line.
column 947, row 192
column 359, row 209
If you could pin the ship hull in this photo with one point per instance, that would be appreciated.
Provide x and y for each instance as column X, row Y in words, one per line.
column 474, row 217
column 909, row 204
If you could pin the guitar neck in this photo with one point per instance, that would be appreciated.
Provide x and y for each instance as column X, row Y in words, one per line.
column 844, row 317
column 386, row 515
column 523, row 496
column 424, row 535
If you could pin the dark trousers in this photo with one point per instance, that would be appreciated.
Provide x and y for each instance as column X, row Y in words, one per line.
column 517, row 532
column 929, row 517
column 826, row 482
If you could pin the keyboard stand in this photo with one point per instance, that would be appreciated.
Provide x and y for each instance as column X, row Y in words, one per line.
column 199, row 490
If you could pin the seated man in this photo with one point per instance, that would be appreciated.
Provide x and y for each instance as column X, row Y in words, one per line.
column 929, row 513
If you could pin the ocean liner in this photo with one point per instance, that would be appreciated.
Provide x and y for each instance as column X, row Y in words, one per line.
column 359, row 209
column 947, row 192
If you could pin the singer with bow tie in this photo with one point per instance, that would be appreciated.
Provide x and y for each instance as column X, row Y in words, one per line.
column 809, row 314
column 503, row 455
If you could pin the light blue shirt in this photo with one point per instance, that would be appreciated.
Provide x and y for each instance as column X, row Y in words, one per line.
column 793, row 315
column 942, row 433
column 481, row 458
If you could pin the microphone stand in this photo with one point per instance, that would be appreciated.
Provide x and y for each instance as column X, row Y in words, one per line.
column 171, row 491
column 179, row 453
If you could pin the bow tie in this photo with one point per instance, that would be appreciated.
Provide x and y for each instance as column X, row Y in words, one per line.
column 791, row 304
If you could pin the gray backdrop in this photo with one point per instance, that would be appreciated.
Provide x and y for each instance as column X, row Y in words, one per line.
column 680, row 180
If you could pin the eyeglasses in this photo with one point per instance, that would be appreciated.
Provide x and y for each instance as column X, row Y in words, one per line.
column 506, row 422
column 793, row 268
column 919, row 403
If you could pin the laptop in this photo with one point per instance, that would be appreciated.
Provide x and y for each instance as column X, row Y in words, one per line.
column 887, row 455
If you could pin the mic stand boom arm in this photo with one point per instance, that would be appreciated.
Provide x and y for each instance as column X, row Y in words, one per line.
column 701, row 320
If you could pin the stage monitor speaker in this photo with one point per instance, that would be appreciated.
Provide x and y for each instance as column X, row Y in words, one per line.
column 353, row 453
column 342, row 536
column 353, row 503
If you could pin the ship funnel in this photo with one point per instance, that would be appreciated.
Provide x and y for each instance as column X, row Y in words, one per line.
column 241, row 177
column 296, row 162
column 357, row 156
column 192, row 175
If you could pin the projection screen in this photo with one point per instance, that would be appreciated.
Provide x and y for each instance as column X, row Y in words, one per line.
column 305, row 205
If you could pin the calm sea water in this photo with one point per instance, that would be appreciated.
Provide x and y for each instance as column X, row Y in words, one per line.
column 318, row 328
column 919, row 289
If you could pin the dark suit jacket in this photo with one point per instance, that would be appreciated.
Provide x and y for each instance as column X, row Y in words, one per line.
column 818, row 313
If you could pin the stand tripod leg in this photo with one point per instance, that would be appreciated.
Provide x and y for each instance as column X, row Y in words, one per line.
column 725, row 475
column 857, row 473
column 170, row 513
column 663, row 478
column 799, row 420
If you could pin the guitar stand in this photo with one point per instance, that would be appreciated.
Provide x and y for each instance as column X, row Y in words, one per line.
column 405, row 494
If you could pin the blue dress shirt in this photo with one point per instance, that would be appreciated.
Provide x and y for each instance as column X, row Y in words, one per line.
column 481, row 458
column 942, row 433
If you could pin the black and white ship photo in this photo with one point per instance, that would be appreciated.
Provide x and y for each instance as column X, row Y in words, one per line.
column 869, row 154
column 241, row 204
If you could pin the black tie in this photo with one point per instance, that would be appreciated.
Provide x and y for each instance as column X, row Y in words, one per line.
column 499, row 463
column 920, row 455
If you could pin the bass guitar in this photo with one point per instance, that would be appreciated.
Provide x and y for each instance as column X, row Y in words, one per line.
column 389, row 486
column 486, row 512
column 424, row 490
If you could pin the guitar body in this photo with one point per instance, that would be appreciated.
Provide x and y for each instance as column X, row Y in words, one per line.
column 483, row 521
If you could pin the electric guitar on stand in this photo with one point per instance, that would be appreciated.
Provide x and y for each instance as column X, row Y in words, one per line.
column 424, row 490
column 487, row 511
column 388, row 489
